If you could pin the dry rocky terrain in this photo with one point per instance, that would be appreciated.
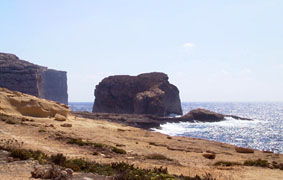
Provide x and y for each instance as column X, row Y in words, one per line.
column 28, row 122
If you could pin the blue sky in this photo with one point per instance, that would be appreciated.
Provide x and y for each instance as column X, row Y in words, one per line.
column 212, row 50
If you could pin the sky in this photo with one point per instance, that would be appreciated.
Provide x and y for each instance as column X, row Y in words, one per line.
column 211, row 50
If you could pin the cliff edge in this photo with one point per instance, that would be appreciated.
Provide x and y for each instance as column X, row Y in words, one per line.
column 25, row 77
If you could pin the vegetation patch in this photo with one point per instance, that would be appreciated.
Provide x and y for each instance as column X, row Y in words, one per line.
column 226, row 163
column 209, row 156
column 118, row 170
column 243, row 150
column 24, row 154
column 118, row 150
column 156, row 144
column 276, row 165
column 258, row 162
column 42, row 130
column 98, row 146
column 79, row 142
column 157, row 156
column 264, row 163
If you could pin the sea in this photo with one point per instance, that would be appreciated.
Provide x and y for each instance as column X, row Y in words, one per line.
column 264, row 132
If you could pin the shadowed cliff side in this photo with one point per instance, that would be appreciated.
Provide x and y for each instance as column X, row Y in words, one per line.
column 23, row 76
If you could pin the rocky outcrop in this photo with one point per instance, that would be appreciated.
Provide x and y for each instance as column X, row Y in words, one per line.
column 149, row 93
column 14, row 103
column 148, row 121
column 20, row 75
column 203, row 115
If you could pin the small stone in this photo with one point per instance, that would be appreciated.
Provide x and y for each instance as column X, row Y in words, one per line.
column 59, row 117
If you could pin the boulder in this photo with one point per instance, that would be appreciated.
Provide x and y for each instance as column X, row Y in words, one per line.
column 149, row 93
column 203, row 115
column 25, row 77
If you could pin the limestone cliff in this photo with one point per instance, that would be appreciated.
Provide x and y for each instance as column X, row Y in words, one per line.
column 149, row 93
column 23, row 76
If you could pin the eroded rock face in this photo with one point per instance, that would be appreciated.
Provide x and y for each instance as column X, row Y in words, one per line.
column 20, row 75
column 17, row 103
column 149, row 93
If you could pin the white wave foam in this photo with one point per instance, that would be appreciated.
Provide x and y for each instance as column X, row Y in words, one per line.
column 175, row 129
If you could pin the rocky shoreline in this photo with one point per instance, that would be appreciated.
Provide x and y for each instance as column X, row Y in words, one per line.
column 147, row 121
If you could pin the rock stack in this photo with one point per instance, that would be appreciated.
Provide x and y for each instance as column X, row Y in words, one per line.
column 149, row 93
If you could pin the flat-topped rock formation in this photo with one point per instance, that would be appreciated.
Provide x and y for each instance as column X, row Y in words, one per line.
column 25, row 77
column 149, row 93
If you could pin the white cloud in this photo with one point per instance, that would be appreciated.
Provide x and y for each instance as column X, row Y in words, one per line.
column 189, row 45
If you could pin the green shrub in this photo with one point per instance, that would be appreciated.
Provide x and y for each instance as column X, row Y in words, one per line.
column 258, row 162
column 226, row 163
column 98, row 145
column 24, row 154
column 277, row 165
column 243, row 150
column 118, row 150
column 120, row 170
column 78, row 141
column 41, row 130
column 158, row 157
column 209, row 156
column 58, row 159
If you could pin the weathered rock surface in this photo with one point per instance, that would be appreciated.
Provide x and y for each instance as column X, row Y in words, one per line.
column 25, row 77
column 203, row 115
column 13, row 103
column 149, row 93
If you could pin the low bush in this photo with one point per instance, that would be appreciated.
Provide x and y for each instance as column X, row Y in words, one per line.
column 24, row 154
column 119, row 170
column 41, row 130
column 243, row 150
column 157, row 156
column 258, row 162
column 226, row 163
column 99, row 146
column 209, row 156
column 276, row 165
column 78, row 141
column 118, row 150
